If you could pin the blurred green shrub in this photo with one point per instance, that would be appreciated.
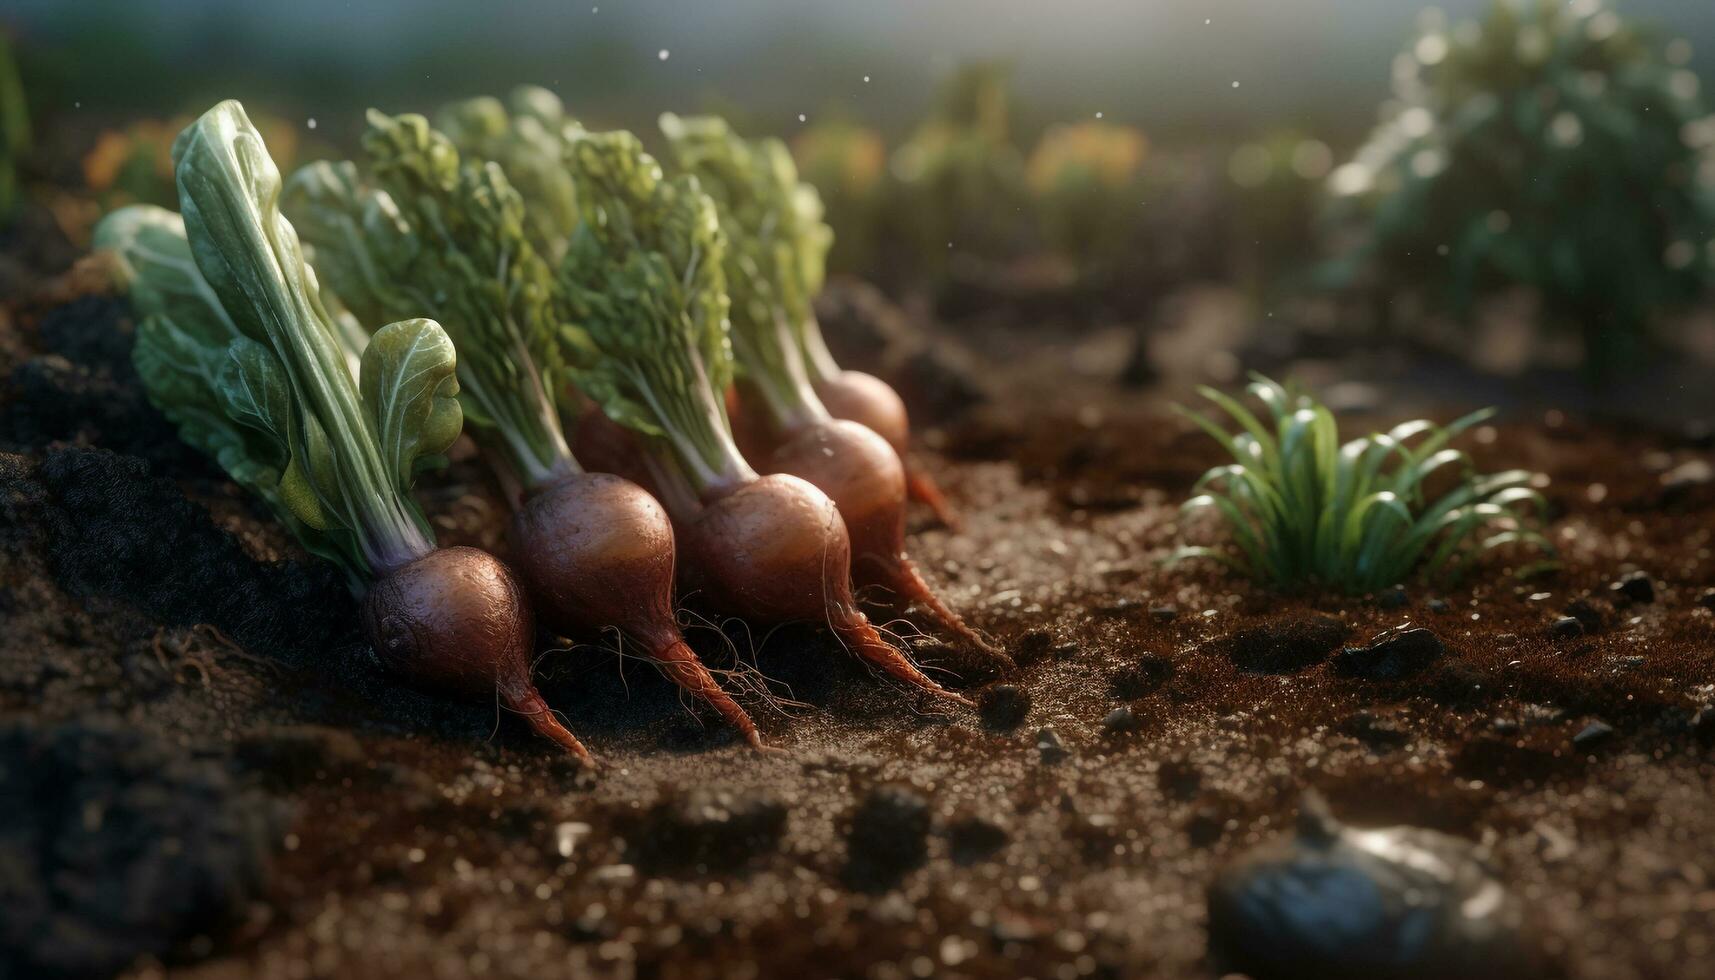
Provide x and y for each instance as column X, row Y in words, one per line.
column 134, row 165
column 14, row 131
column 1084, row 178
column 958, row 182
column 1551, row 145
column 1278, row 183
column 846, row 163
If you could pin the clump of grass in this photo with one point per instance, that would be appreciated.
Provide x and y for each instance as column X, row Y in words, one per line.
column 1304, row 509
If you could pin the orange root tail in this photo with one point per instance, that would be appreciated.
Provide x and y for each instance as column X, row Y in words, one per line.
column 857, row 632
column 540, row 717
column 921, row 487
column 684, row 669
column 907, row 583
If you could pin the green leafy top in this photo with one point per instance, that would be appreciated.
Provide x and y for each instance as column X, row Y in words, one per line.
column 352, row 234
column 526, row 137
column 434, row 237
column 1305, row 509
column 754, row 185
column 342, row 283
column 643, row 287
column 346, row 448
column 183, row 341
column 1550, row 145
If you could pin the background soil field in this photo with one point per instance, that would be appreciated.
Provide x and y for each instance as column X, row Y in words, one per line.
column 216, row 782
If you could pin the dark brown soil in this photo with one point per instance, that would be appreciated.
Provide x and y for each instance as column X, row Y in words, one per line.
column 365, row 830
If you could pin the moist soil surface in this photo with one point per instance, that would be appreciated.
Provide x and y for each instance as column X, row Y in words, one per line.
column 207, row 777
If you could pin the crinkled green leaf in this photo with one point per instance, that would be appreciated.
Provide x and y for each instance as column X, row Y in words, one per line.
column 410, row 387
column 754, row 185
column 526, row 138
column 183, row 369
column 644, row 292
column 254, row 392
column 153, row 264
column 359, row 238
column 426, row 234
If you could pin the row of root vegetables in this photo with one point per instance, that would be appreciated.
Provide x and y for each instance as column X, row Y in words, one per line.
column 655, row 314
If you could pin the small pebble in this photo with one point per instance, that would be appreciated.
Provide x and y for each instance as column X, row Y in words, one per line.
column 1586, row 613
column 1592, row 733
column 972, row 837
column 1635, row 586
column 1393, row 598
column 1396, row 653
column 1120, row 721
column 1003, row 707
column 1049, row 745
column 1567, row 627
column 1031, row 646
column 1394, row 902
column 888, row 835
column 1436, row 605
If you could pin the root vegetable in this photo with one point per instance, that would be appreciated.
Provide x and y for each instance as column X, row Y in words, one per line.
column 644, row 286
column 595, row 551
column 755, row 189
column 237, row 348
column 872, row 403
column 456, row 621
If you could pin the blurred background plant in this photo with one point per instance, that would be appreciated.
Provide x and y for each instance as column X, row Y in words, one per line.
column 847, row 163
column 1549, row 145
column 1554, row 149
column 14, row 131
column 1278, row 184
column 133, row 163
column 1084, row 178
column 957, row 190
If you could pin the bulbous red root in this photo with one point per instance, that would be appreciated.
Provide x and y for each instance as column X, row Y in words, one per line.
column 597, row 551
column 872, row 403
column 775, row 550
column 456, row 621
column 862, row 474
